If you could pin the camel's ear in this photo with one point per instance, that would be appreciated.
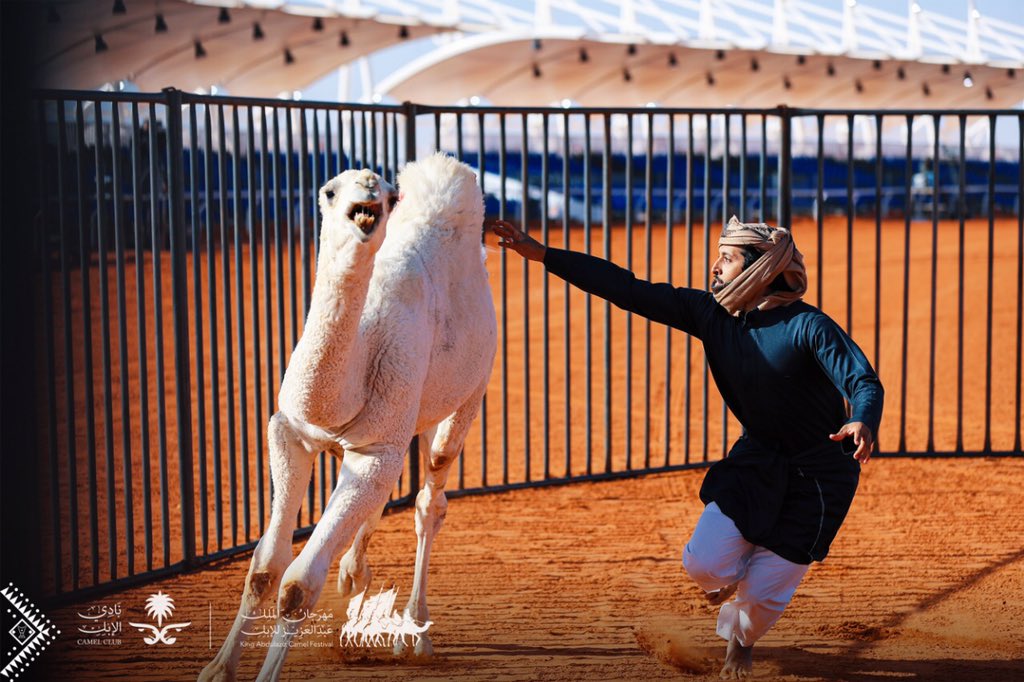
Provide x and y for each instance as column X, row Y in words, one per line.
column 734, row 222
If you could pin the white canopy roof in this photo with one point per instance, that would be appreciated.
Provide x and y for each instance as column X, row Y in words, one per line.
column 522, row 52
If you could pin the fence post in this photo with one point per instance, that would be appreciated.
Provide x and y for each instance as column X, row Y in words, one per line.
column 785, row 168
column 410, row 155
column 179, row 277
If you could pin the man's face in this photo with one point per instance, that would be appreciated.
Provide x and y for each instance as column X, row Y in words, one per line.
column 727, row 268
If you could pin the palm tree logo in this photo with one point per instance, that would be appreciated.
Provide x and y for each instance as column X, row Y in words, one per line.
column 159, row 606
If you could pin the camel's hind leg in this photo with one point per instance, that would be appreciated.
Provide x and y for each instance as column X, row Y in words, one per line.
column 291, row 465
column 354, row 574
column 431, row 506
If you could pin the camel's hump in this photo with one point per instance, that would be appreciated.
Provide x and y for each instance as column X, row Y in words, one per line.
column 440, row 190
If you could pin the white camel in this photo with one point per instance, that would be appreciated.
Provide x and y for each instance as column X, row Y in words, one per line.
column 399, row 340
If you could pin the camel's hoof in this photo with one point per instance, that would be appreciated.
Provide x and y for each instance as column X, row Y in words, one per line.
column 216, row 672
column 423, row 648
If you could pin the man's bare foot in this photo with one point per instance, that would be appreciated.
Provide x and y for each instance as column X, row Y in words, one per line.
column 739, row 661
column 720, row 596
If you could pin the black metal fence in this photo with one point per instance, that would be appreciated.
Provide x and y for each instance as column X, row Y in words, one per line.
column 177, row 240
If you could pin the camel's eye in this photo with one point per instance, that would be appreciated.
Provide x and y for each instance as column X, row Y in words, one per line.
column 329, row 194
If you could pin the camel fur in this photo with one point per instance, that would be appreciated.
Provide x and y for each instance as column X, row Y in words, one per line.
column 399, row 340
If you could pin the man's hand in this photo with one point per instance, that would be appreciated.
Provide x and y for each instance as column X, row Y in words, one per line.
column 862, row 438
column 517, row 240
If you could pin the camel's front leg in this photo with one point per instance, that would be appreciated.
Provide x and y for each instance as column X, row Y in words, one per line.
column 367, row 478
column 431, row 506
column 291, row 464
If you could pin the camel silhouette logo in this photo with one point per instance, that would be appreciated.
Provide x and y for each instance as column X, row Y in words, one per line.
column 373, row 621
column 159, row 606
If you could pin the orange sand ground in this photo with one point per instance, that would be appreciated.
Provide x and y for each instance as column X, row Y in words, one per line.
column 622, row 450
column 925, row 582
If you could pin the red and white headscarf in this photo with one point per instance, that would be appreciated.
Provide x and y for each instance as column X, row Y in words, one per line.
column 779, row 256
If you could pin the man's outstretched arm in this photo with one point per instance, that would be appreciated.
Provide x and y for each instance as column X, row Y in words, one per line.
column 677, row 307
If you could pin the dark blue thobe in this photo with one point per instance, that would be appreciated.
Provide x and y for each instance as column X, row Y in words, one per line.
column 784, row 373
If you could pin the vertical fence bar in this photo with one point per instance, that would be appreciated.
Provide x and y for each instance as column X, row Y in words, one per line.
column 786, row 168
column 936, row 182
column 688, row 382
column 743, row 167
column 907, row 211
column 42, row 183
column 84, row 266
column 544, row 180
column 725, row 219
column 68, row 365
column 410, row 155
column 819, row 209
column 849, row 223
column 587, row 361
column 211, row 280
column 524, row 163
column 763, row 169
column 69, row 344
column 257, row 380
column 669, row 261
column 197, row 292
column 363, row 145
column 108, row 418
column 878, row 245
column 312, row 199
column 503, row 163
column 289, row 198
column 707, row 252
column 158, row 297
column 243, row 399
column 606, row 232
column 268, row 333
column 628, row 435
column 122, row 339
column 566, row 315
column 649, row 272
column 961, row 212
column 229, row 360
column 482, row 167
column 1020, row 278
column 987, row 446
column 179, row 287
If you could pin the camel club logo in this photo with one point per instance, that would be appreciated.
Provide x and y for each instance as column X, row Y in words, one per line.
column 373, row 622
column 159, row 606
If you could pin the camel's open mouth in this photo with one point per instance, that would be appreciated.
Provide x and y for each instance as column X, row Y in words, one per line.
column 365, row 216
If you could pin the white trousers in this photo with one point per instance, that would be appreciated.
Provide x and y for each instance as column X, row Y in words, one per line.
column 717, row 556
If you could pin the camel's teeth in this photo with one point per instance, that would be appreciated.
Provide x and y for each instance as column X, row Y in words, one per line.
column 364, row 221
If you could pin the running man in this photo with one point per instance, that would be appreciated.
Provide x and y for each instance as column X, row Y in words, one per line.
column 775, row 503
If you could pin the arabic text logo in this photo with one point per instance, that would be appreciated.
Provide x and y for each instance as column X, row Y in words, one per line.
column 102, row 626
column 160, row 606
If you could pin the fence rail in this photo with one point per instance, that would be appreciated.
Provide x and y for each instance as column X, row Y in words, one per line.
column 194, row 218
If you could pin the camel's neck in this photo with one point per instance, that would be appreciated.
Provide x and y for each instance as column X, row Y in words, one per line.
column 326, row 353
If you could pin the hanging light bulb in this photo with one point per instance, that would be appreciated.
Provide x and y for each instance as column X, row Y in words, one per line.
column 710, row 78
column 801, row 59
column 672, row 61
column 101, row 45
column 224, row 17
column 631, row 50
column 754, row 65
column 719, row 55
column 584, row 57
column 343, row 39
column 119, row 7
column 289, row 58
column 968, row 81
column 403, row 32
column 200, row 51
column 989, row 94
column 877, row 65
column 626, row 75
column 901, row 73
column 858, row 86
column 257, row 31
column 537, row 45
column 926, row 90
column 161, row 25
column 786, row 83
column 945, row 68
column 536, row 71
column 318, row 24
